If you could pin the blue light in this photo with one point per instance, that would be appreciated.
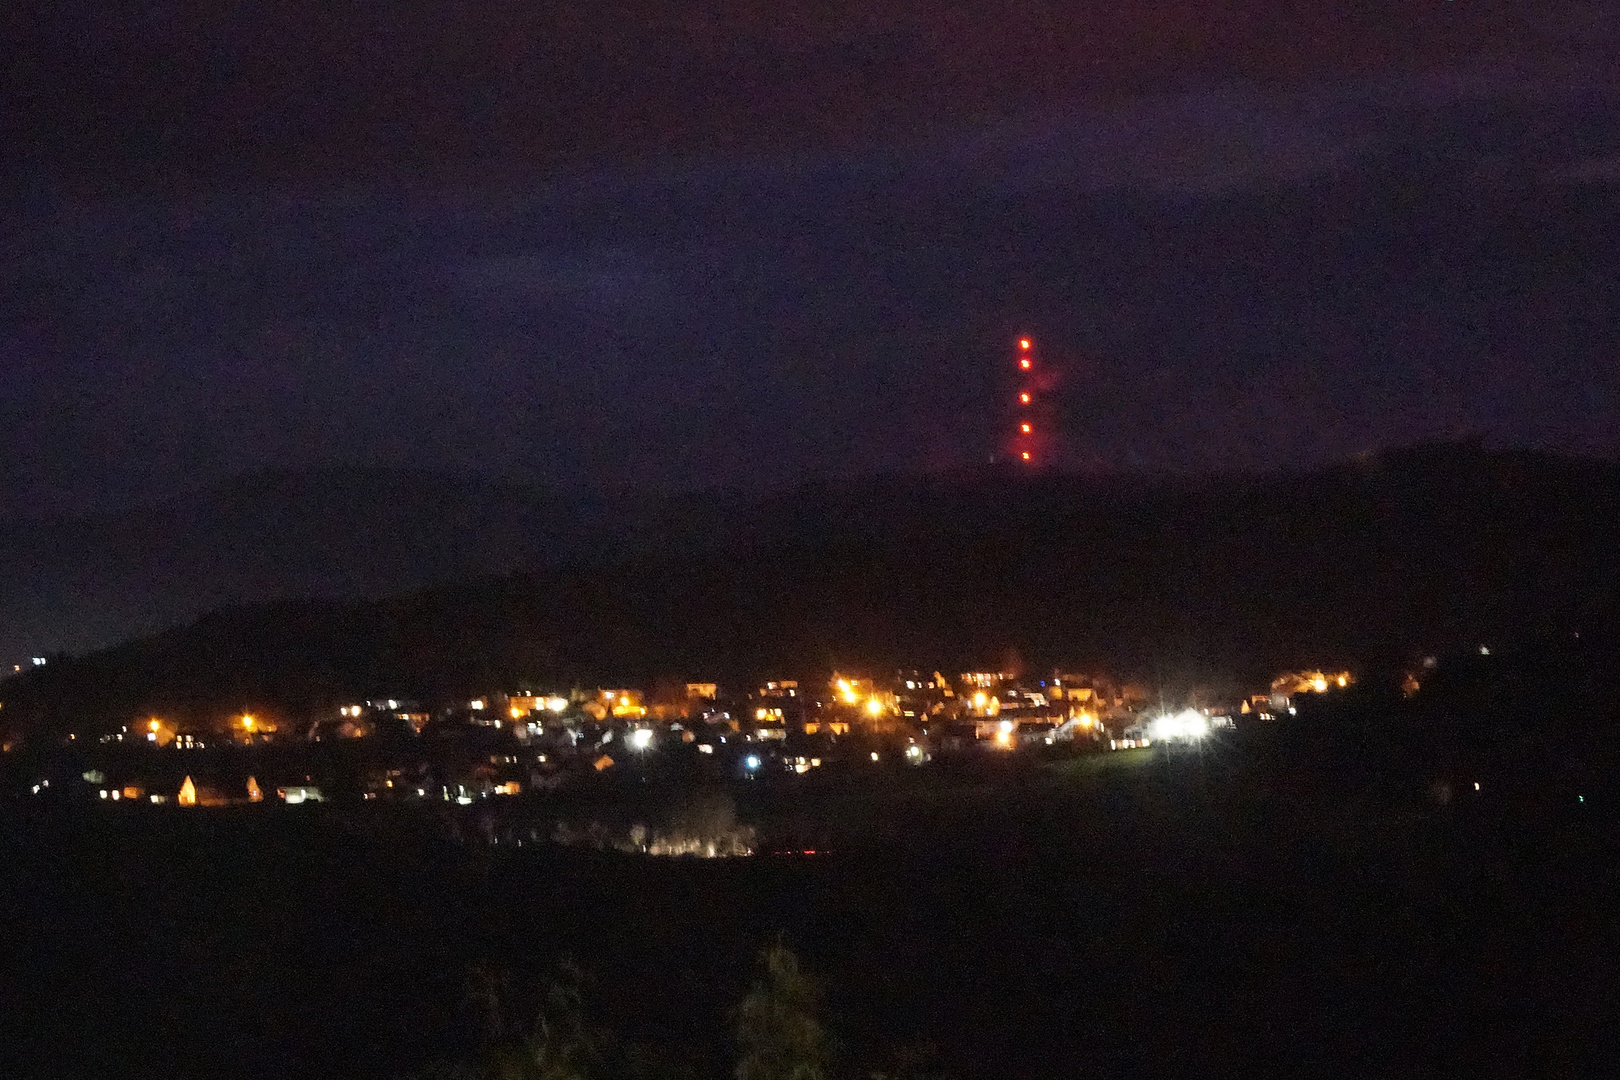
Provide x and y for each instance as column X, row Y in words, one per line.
column 753, row 762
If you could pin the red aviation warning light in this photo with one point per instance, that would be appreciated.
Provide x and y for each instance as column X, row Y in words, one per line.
column 1024, row 440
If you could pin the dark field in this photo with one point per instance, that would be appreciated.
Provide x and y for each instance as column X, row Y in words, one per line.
column 1104, row 917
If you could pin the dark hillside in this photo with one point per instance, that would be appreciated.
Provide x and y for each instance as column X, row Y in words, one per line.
column 1362, row 563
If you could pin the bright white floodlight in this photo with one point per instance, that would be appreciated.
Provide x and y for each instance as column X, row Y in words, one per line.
column 1184, row 726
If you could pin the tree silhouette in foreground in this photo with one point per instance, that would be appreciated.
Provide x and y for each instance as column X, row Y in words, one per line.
column 779, row 1031
column 778, row 1026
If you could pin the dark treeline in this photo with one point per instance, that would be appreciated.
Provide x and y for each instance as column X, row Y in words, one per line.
column 1534, row 723
column 548, row 1032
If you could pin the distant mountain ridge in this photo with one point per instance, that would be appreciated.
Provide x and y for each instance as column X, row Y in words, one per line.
column 79, row 583
column 1362, row 562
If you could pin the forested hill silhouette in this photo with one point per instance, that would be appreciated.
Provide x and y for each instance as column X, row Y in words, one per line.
column 86, row 582
column 1363, row 563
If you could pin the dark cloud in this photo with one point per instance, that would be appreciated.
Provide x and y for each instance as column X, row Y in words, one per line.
column 110, row 93
column 1232, row 275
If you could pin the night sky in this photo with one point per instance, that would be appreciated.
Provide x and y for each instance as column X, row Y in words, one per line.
column 666, row 246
